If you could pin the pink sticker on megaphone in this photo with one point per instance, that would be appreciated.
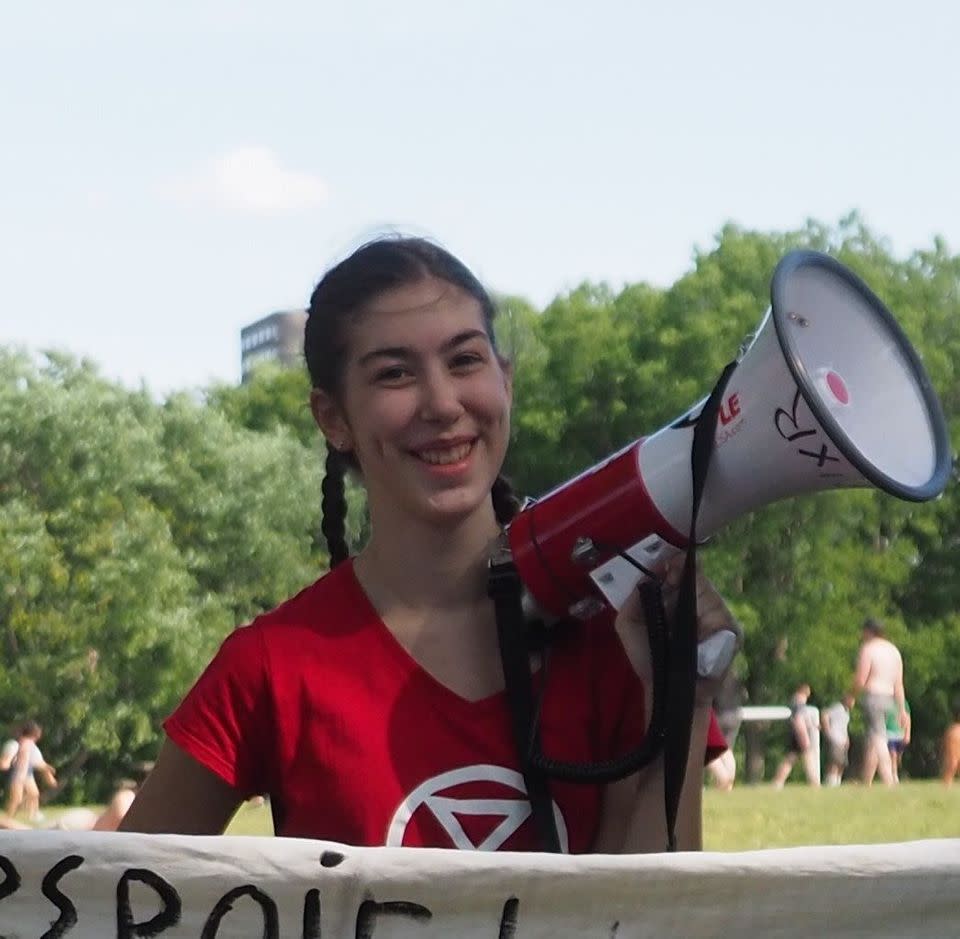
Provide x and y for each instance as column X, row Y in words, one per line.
column 838, row 387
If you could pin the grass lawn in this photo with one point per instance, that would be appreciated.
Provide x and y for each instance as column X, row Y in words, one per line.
column 752, row 817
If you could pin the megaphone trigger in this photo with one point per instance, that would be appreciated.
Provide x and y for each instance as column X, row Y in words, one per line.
column 619, row 576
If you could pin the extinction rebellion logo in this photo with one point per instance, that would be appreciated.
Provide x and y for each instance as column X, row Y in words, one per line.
column 472, row 823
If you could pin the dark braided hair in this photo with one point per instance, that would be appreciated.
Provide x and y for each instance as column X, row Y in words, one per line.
column 506, row 503
column 377, row 266
column 333, row 507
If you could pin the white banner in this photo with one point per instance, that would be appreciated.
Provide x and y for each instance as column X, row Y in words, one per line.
column 93, row 885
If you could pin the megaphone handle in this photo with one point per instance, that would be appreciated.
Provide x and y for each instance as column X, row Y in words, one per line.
column 682, row 642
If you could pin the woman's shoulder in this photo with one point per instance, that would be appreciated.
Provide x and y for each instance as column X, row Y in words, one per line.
column 287, row 635
column 321, row 606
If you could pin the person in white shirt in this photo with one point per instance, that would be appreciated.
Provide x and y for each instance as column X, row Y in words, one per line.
column 23, row 762
column 835, row 724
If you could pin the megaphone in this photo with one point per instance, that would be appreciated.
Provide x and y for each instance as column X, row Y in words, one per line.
column 828, row 394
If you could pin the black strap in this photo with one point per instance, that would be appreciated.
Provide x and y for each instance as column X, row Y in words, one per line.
column 682, row 647
column 506, row 590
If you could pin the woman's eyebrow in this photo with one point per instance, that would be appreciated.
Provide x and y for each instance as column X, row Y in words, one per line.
column 388, row 352
column 404, row 352
column 463, row 337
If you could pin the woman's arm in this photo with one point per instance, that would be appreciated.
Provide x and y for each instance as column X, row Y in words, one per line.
column 181, row 796
column 633, row 818
column 861, row 673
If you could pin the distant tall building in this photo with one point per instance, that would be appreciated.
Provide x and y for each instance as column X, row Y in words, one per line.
column 276, row 338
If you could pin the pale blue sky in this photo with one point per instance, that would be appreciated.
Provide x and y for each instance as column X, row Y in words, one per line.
column 176, row 170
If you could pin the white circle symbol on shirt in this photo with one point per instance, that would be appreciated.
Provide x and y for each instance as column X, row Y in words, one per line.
column 449, row 810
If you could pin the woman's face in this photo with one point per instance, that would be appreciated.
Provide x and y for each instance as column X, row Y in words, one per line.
column 425, row 404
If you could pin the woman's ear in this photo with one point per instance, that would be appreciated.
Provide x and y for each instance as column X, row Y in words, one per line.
column 507, row 368
column 329, row 418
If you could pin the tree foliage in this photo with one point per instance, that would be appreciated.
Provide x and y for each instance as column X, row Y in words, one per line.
column 133, row 537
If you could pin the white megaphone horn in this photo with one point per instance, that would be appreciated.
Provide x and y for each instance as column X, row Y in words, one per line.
column 828, row 394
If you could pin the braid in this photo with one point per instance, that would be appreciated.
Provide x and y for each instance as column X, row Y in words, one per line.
column 506, row 503
column 333, row 508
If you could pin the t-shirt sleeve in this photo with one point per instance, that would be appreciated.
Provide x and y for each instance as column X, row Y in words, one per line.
column 716, row 742
column 222, row 722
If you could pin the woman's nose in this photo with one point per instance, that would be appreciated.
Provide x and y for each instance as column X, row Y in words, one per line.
column 440, row 399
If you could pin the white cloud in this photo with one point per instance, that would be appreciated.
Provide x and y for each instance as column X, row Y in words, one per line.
column 250, row 180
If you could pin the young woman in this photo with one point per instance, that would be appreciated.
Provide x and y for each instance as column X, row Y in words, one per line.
column 371, row 706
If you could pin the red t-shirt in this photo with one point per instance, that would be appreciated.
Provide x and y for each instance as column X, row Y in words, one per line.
column 317, row 704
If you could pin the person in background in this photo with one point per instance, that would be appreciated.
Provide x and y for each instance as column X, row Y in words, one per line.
column 898, row 737
column 84, row 819
column 727, row 704
column 950, row 749
column 803, row 726
column 382, row 681
column 878, row 680
column 723, row 770
column 835, row 725
column 23, row 762
column 122, row 799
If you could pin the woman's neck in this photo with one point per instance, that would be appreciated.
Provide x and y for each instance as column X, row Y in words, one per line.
column 423, row 567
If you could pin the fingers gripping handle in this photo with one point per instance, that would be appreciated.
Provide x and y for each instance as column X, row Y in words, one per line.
column 715, row 654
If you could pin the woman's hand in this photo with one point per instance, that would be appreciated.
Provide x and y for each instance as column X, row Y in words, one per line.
column 719, row 634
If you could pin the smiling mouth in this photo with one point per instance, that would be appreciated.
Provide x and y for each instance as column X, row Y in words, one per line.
column 446, row 456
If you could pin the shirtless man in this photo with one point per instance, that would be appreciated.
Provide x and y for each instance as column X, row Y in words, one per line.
column 879, row 681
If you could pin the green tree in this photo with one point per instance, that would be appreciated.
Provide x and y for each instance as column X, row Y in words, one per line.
column 133, row 537
column 276, row 400
column 274, row 396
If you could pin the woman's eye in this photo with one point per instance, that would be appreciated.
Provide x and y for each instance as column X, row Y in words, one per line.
column 392, row 373
column 465, row 360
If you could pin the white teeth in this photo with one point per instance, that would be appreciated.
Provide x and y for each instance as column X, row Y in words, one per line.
column 442, row 457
